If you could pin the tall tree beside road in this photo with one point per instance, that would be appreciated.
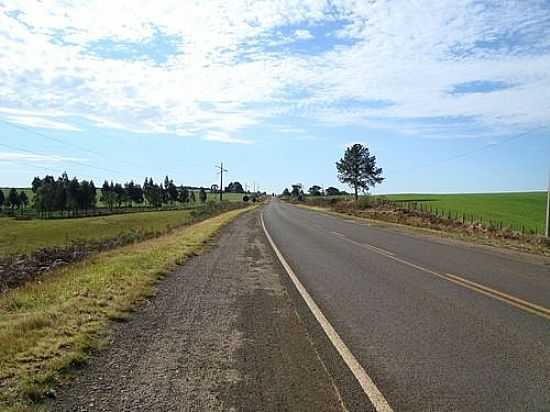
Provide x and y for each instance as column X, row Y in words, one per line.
column 358, row 169
column 297, row 191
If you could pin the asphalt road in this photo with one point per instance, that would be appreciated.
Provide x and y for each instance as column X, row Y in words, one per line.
column 437, row 325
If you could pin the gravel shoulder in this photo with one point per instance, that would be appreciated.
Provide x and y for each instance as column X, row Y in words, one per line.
column 221, row 333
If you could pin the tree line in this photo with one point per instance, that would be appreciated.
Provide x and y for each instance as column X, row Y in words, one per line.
column 315, row 190
column 73, row 196
column 13, row 200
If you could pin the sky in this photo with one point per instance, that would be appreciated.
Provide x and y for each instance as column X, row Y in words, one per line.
column 451, row 96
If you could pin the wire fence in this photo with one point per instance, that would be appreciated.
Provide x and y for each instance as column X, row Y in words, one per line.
column 465, row 217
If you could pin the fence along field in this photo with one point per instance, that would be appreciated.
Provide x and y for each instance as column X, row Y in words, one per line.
column 521, row 211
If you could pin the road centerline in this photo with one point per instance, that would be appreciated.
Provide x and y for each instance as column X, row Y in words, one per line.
column 458, row 280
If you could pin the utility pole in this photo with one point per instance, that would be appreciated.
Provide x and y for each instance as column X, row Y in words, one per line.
column 221, row 179
column 547, row 231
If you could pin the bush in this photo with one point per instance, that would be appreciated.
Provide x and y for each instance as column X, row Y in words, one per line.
column 363, row 203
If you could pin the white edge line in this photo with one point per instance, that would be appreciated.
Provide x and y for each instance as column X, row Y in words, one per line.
column 373, row 393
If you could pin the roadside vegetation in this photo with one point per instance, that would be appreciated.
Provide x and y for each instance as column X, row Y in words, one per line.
column 50, row 326
column 33, row 248
column 511, row 219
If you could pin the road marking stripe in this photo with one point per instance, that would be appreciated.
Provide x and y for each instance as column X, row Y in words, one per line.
column 367, row 384
column 468, row 284
column 365, row 245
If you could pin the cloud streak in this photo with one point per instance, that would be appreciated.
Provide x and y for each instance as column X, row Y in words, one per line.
column 36, row 158
column 42, row 123
column 217, row 68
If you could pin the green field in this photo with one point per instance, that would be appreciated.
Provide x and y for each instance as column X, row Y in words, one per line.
column 24, row 236
column 515, row 210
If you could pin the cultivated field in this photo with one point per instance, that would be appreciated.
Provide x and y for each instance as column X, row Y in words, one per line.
column 519, row 209
column 24, row 236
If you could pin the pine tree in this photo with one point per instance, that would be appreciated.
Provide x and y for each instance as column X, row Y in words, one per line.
column 358, row 169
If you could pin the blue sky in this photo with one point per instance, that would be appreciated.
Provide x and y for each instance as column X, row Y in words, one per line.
column 451, row 96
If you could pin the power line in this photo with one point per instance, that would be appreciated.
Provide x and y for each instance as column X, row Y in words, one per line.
column 30, row 130
column 65, row 160
column 81, row 148
column 480, row 149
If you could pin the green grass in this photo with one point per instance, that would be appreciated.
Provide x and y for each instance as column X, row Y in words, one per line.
column 519, row 209
column 24, row 236
column 232, row 197
column 50, row 326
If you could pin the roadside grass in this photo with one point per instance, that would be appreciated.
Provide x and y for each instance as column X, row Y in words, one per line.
column 515, row 210
column 24, row 236
column 534, row 245
column 48, row 327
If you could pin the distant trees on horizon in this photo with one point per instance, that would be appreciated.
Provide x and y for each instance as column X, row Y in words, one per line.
column 314, row 190
column 73, row 196
column 13, row 200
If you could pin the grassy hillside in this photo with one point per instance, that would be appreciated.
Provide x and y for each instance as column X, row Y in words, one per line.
column 515, row 209
column 23, row 236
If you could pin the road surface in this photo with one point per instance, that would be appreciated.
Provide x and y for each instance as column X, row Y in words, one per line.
column 437, row 325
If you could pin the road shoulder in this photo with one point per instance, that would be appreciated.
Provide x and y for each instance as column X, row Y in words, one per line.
column 221, row 333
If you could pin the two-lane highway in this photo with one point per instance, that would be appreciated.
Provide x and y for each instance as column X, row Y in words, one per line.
column 436, row 325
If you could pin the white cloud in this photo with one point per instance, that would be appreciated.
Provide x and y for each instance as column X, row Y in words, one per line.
column 303, row 34
column 224, row 138
column 36, row 158
column 39, row 122
column 233, row 69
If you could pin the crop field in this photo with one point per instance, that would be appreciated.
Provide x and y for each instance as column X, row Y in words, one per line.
column 24, row 236
column 516, row 210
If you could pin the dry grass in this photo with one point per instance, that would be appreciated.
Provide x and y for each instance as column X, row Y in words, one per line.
column 49, row 326
column 440, row 227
